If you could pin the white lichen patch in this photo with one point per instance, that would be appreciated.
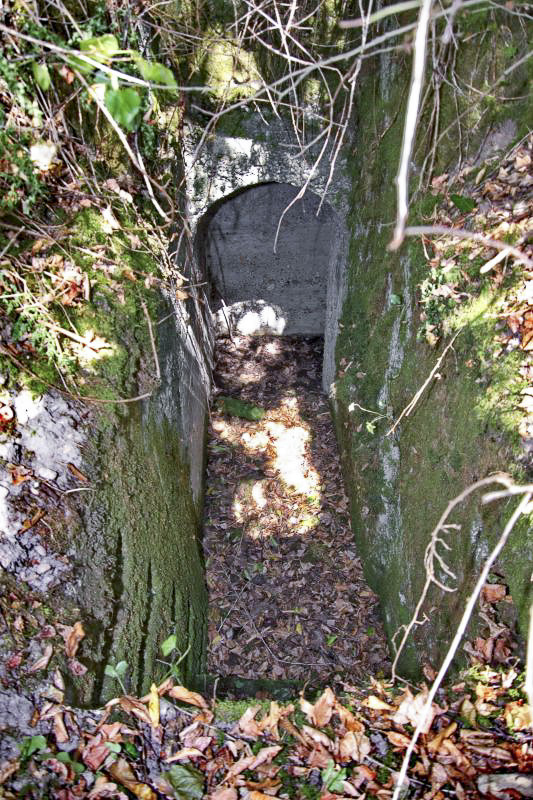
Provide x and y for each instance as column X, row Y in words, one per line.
column 47, row 438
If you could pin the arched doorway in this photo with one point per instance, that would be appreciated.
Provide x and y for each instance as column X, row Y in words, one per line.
column 280, row 283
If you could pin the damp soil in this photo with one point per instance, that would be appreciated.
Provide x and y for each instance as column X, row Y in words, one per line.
column 287, row 596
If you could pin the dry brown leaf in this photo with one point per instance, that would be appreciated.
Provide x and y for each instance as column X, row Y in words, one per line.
column 323, row 708
column 307, row 708
column 275, row 715
column 316, row 737
column 60, row 731
column 122, row 772
column 42, row 662
column 518, row 716
column 224, row 793
column 445, row 733
column 135, row 707
column 73, row 469
column 350, row 722
column 412, row 709
column 376, row 704
column 95, row 753
column 248, row 724
column 318, row 757
column 468, row 711
column 153, row 706
column 72, row 636
column 354, row 747
column 185, row 752
column 252, row 762
column 183, row 695
column 398, row 739
column 493, row 592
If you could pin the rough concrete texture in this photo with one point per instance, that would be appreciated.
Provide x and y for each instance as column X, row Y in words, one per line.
column 400, row 484
column 142, row 569
column 250, row 258
column 245, row 153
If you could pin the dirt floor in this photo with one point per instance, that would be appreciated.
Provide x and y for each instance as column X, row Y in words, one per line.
column 287, row 595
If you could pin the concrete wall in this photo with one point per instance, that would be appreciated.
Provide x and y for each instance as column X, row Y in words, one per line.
column 245, row 153
column 245, row 262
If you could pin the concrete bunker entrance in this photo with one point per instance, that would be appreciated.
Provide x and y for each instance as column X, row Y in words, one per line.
column 268, row 256
column 287, row 596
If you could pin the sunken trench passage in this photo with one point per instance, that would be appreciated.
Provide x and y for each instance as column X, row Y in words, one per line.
column 287, row 595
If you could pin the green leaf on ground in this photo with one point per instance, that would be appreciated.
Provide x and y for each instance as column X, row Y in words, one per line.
column 239, row 408
column 463, row 203
column 30, row 745
column 187, row 782
column 332, row 779
column 124, row 105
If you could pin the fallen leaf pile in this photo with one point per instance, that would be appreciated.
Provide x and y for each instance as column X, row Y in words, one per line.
column 287, row 594
column 339, row 746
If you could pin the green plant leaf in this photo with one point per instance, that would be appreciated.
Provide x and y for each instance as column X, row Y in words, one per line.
column 101, row 48
column 395, row 300
column 41, row 76
column 332, row 779
column 155, row 72
column 463, row 203
column 239, row 408
column 121, row 668
column 113, row 746
column 30, row 745
column 169, row 645
column 110, row 671
column 124, row 105
column 131, row 750
column 187, row 782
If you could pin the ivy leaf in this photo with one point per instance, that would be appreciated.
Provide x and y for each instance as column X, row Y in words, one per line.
column 121, row 668
column 155, row 72
column 187, row 782
column 124, row 105
column 169, row 645
column 30, row 745
column 41, row 76
column 101, row 48
column 333, row 780
column 395, row 300
column 463, row 203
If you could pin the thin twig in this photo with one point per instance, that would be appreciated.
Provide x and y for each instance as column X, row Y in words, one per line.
column 152, row 341
column 411, row 117
column 83, row 398
column 461, row 233
column 469, row 608
column 414, row 400
column 429, row 555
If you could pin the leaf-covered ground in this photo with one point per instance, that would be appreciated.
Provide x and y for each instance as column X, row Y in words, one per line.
column 174, row 744
column 287, row 594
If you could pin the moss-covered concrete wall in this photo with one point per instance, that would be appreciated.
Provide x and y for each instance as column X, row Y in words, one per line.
column 400, row 484
column 140, row 561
